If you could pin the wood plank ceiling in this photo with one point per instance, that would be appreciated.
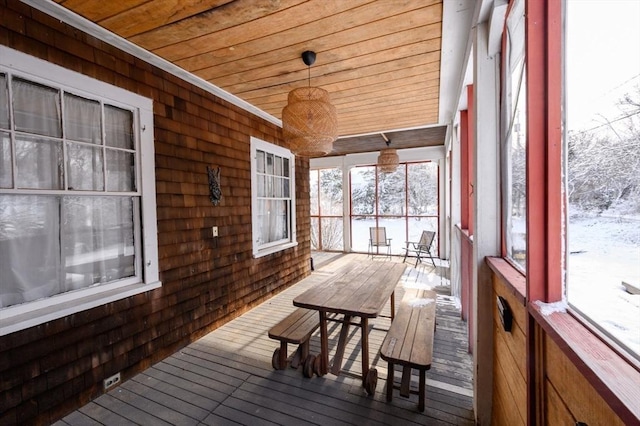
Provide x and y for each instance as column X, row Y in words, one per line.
column 379, row 59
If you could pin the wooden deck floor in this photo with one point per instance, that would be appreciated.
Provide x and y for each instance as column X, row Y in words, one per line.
column 226, row 377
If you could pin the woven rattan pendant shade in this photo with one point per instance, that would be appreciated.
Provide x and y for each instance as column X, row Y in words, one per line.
column 388, row 160
column 309, row 121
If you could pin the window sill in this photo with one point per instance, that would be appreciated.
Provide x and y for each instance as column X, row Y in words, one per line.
column 275, row 249
column 612, row 376
column 21, row 317
column 513, row 279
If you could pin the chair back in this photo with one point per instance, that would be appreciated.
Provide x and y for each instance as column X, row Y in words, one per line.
column 378, row 236
column 426, row 239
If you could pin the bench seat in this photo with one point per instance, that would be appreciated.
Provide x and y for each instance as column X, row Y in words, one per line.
column 296, row 328
column 409, row 341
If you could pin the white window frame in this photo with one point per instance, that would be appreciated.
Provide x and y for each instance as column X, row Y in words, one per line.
column 29, row 314
column 260, row 250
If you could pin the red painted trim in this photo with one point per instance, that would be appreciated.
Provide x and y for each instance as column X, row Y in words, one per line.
column 555, row 195
column 537, row 256
column 464, row 170
column 471, row 145
column 612, row 377
column 538, row 259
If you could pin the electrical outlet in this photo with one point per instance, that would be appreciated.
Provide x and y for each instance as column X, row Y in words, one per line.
column 111, row 381
column 214, row 230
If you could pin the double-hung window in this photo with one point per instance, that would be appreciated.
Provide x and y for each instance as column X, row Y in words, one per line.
column 77, row 193
column 273, row 205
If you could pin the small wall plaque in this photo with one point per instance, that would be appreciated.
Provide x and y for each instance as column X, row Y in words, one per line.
column 506, row 317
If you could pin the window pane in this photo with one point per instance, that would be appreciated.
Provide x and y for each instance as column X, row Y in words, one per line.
column 315, row 230
column 514, row 140
column 38, row 163
column 36, row 108
column 517, row 227
column 423, row 189
column 82, row 119
column 360, row 232
column 392, row 192
column 272, row 220
column 4, row 102
column 85, row 169
column 260, row 158
column 120, row 171
column 118, row 127
column 603, row 158
column 417, row 225
column 313, row 192
column 269, row 164
column 97, row 240
column 363, row 191
column 278, row 166
column 6, row 181
column 332, row 237
column 331, row 192
column 261, row 185
column 285, row 167
column 30, row 248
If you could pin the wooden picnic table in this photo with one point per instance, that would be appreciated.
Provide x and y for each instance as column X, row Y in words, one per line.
column 359, row 289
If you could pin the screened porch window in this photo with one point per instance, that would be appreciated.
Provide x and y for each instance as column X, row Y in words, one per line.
column 602, row 152
column 326, row 209
column 405, row 202
column 273, row 199
column 514, row 139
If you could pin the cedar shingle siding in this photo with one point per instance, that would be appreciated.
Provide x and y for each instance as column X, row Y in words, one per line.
column 48, row 370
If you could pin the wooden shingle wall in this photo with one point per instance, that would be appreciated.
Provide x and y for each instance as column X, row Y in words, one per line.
column 48, row 370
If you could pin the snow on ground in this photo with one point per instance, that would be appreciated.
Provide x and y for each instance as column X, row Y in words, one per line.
column 604, row 251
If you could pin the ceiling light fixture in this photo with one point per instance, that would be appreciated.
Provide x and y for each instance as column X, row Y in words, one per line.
column 388, row 159
column 309, row 121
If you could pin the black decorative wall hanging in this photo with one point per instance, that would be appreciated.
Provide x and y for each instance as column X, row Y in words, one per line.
column 215, row 193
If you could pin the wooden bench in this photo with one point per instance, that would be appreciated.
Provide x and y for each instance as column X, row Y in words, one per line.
column 409, row 342
column 296, row 328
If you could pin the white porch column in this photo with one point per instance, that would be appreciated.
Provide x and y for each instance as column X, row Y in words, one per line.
column 486, row 208
column 346, row 207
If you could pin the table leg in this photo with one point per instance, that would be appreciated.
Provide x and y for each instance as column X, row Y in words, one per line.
column 342, row 343
column 324, row 344
column 364, row 328
column 393, row 305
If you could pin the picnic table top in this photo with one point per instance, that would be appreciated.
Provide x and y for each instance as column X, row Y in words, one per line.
column 358, row 289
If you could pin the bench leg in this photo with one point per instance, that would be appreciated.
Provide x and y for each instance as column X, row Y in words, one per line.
column 421, row 391
column 301, row 354
column 405, row 383
column 282, row 356
column 390, row 373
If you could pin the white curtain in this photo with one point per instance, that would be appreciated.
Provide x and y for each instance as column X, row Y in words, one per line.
column 51, row 244
column 29, row 248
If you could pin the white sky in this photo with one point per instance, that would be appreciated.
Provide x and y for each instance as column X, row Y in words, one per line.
column 603, row 58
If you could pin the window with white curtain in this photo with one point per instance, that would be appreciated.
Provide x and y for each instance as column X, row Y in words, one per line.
column 272, row 198
column 72, row 192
